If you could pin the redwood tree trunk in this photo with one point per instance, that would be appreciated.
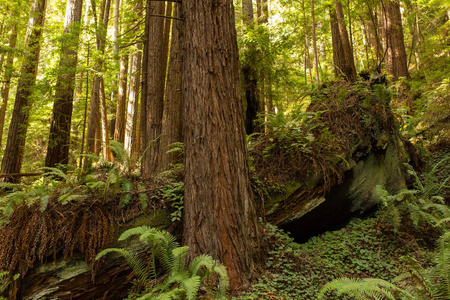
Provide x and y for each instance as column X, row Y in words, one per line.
column 313, row 34
column 220, row 216
column 342, row 52
column 94, row 113
column 396, row 54
column 7, row 79
column 153, row 87
column 250, row 75
column 133, row 98
column 59, row 139
column 119, row 132
column 12, row 159
column 172, row 121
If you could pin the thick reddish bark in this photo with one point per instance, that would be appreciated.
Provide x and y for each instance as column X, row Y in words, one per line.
column 220, row 215
column 59, row 139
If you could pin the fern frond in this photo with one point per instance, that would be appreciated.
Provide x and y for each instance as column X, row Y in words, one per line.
column 191, row 286
column 133, row 260
column 58, row 173
column 443, row 263
column 363, row 288
column 133, row 231
column 179, row 258
column 202, row 261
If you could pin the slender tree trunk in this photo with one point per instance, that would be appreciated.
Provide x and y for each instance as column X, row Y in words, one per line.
column 12, row 159
column 307, row 57
column 153, row 87
column 117, row 64
column 59, row 139
column 119, row 130
column 172, row 121
column 220, row 215
column 313, row 33
column 133, row 99
column 94, row 113
column 250, row 75
column 107, row 155
column 7, row 79
column 342, row 52
column 166, row 38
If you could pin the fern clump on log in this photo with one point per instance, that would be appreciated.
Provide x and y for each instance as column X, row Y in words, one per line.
column 315, row 146
column 62, row 215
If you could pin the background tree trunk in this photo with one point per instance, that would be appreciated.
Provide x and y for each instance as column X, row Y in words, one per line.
column 59, row 139
column 119, row 130
column 396, row 54
column 12, row 159
column 135, row 83
column 7, row 79
column 94, row 113
column 342, row 52
column 153, row 87
column 220, row 215
column 313, row 34
column 172, row 121
column 249, row 72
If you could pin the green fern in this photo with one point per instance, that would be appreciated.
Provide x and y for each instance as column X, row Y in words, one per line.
column 182, row 282
column 362, row 289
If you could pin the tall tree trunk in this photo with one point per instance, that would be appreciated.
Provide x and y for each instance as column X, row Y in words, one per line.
column 172, row 121
column 396, row 54
column 313, row 33
column 12, row 159
column 220, row 215
column 166, row 38
column 342, row 52
column 135, row 82
column 153, row 87
column 119, row 130
column 117, row 64
column 94, row 113
column 373, row 32
column 7, row 79
column 250, row 75
column 59, row 139
column 107, row 155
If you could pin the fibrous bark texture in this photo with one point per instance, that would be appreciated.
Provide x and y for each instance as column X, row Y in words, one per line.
column 220, row 216
column 59, row 139
column 12, row 159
